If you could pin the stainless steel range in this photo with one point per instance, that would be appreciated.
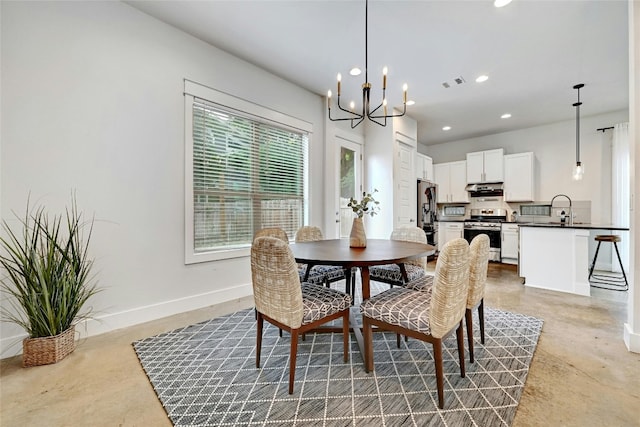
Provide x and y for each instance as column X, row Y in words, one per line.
column 486, row 221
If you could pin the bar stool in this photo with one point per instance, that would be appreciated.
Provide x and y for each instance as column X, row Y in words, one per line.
column 613, row 282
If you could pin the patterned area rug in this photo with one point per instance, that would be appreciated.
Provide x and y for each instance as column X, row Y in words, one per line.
column 205, row 375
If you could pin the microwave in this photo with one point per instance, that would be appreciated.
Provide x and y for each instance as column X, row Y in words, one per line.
column 453, row 211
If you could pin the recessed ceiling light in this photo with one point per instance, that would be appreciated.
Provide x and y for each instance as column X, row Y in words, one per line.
column 500, row 3
column 446, row 128
column 411, row 102
column 482, row 78
column 505, row 116
column 355, row 71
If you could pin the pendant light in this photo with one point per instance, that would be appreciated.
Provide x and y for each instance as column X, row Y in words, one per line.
column 578, row 170
column 373, row 114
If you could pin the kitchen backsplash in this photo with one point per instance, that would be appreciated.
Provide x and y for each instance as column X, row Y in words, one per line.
column 581, row 209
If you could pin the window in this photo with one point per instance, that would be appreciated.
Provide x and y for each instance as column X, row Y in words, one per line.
column 246, row 170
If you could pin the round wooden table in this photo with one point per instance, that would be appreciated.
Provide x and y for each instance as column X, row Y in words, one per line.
column 377, row 252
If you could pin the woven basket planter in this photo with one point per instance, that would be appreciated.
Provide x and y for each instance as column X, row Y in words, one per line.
column 47, row 350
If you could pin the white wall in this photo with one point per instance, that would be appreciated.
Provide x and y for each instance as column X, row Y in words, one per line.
column 92, row 102
column 632, row 326
column 554, row 146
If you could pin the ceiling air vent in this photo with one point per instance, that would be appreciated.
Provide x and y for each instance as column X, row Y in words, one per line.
column 456, row 80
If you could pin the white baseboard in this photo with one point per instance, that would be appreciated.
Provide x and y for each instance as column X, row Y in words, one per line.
column 12, row 346
column 631, row 339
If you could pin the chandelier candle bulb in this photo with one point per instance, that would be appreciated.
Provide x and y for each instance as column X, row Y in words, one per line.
column 329, row 99
column 404, row 89
column 339, row 79
column 384, row 79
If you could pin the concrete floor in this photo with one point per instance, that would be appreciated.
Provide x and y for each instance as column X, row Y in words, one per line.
column 581, row 374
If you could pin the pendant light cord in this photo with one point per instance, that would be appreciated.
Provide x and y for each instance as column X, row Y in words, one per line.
column 577, row 105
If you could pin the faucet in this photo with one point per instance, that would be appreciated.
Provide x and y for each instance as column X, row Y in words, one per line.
column 570, row 207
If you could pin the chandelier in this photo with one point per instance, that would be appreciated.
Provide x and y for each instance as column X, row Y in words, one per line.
column 578, row 170
column 376, row 116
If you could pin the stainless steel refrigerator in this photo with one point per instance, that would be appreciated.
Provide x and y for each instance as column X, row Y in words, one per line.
column 427, row 213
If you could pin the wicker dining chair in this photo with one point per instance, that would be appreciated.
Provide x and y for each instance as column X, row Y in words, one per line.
column 281, row 300
column 328, row 273
column 478, row 266
column 415, row 268
column 429, row 315
column 272, row 232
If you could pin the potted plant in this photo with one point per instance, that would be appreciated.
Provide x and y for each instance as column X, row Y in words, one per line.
column 48, row 281
column 367, row 206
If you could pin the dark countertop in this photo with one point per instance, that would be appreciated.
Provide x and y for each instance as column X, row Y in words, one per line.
column 574, row 226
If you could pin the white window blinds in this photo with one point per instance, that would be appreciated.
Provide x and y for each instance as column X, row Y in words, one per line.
column 248, row 173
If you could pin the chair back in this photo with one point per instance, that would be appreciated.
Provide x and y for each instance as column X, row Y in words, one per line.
column 478, row 265
column 308, row 233
column 410, row 233
column 450, row 287
column 276, row 284
column 276, row 232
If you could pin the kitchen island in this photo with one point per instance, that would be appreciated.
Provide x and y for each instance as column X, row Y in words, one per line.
column 556, row 256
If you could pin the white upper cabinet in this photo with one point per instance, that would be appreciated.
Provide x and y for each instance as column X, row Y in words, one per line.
column 485, row 166
column 424, row 167
column 452, row 181
column 519, row 177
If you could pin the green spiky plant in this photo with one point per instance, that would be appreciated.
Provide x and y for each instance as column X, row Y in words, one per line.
column 48, row 271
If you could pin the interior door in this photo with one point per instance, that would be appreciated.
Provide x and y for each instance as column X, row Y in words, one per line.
column 349, row 165
column 406, row 185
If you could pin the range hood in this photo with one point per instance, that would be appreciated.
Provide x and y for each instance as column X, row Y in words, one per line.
column 483, row 190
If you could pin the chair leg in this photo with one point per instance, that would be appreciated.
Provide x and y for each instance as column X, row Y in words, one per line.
column 460, row 338
column 593, row 264
column 347, row 284
column 353, row 286
column 437, row 355
column 292, row 357
column 345, row 335
column 481, row 320
column 367, row 332
column 615, row 245
column 468, row 317
column 398, row 340
column 259, row 324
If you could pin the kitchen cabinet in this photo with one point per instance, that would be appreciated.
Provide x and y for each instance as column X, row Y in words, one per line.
column 519, row 177
column 452, row 181
column 448, row 231
column 424, row 167
column 509, row 245
column 485, row 166
column 555, row 258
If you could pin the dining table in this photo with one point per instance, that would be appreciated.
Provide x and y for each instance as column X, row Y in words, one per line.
column 377, row 252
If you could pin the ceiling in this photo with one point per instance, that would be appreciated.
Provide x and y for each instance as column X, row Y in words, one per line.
column 533, row 51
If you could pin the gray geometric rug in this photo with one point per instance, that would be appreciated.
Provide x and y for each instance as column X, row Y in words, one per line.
column 205, row 375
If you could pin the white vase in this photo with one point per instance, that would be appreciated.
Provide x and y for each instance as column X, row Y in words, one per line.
column 357, row 238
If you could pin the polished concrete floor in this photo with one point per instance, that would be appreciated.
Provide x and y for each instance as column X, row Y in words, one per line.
column 581, row 374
